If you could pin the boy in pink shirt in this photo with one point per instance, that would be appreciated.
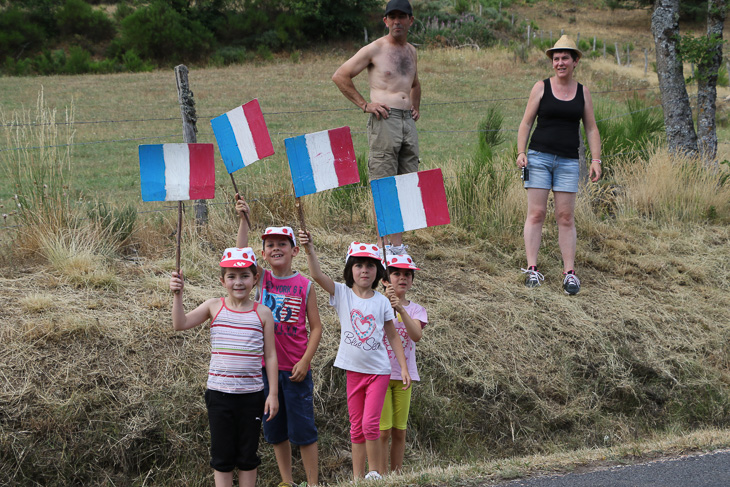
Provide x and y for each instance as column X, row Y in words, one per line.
column 292, row 300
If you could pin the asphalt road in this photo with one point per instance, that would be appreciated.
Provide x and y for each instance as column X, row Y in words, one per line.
column 701, row 470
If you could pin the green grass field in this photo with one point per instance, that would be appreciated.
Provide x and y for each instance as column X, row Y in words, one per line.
column 458, row 88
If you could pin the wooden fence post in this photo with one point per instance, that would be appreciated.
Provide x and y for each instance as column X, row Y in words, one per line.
column 190, row 131
column 628, row 55
column 618, row 53
column 528, row 32
column 577, row 39
column 604, row 50
column 594, row 43
column 646, row 61
column 366, row 34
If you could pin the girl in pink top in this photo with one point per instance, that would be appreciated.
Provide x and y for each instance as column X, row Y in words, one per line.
column 366, row 316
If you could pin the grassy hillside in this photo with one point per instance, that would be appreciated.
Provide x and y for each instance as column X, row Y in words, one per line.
column 98, row 390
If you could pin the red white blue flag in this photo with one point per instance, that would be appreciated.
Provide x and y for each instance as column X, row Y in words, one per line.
column 410, row 201
column 322, row 160
column 242, row 136
column 177, row 172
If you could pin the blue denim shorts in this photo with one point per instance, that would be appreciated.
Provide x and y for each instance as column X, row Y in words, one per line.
column 548, row 171
column 295, row 420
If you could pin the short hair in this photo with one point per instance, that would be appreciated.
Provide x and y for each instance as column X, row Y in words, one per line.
column 393, row 269
column 347, row 273
column 254, row 268
column 572, row 53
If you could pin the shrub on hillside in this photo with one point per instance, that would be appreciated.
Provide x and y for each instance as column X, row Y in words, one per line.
column 158, row 31
column 20, row 33
column 78, row 17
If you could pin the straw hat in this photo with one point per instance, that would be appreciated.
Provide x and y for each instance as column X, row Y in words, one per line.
column 565, row 43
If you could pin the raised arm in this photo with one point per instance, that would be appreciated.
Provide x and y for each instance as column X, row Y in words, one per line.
column 315, row 270
column 300, row 369
column 523, row 134
column 594, row 138
column 242, row 209
column 198, row 316
column 413, row 327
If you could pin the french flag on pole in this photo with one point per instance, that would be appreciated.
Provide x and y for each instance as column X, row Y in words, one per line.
column 410, row 201
column 322, row 160
column 177, row 172
column 242, row 136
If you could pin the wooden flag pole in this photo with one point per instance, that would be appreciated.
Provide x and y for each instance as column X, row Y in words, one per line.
column 235, row 188
column 300, row 214
column 179, row 233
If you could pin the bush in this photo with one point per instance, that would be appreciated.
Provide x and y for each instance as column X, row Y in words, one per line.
column 19, row 33
column 159, row 32
column 77, row 17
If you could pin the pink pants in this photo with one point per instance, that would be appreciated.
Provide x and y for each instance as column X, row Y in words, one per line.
column 365, row 398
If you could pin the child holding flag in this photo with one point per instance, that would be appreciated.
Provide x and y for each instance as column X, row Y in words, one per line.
column 293, row 301
column 365, row 317
column 241, row 334
column 411, row 319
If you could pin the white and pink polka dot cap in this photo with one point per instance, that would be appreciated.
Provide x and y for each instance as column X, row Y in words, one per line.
column 358, row 249
column 233, row 257
column 285, row 231
column 402, row 261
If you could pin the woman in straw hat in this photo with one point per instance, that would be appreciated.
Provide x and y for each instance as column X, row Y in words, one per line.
column 559, row 103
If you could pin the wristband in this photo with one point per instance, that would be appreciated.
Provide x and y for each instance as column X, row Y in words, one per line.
column 365, row 108
column 596, row 160
column 521, row 152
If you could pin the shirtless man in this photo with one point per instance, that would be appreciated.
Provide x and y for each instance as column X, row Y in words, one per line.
column 395, row 97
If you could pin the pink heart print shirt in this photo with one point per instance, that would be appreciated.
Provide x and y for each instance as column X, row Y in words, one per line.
column 362, row 348
column 417, row 312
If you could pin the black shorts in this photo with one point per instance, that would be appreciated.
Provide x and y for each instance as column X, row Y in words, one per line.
column 235, row 427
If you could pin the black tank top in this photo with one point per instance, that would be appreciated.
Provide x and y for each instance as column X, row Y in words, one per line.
column 558, row 124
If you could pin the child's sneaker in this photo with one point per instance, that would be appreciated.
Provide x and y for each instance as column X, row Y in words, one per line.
column 373, row 475
column 534, row 278
column 396, row 249
column 571, row 283
column 286, row 484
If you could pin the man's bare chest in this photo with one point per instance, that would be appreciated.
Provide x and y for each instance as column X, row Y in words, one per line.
column 394, row 63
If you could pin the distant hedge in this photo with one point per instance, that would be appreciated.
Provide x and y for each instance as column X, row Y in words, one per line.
column 35, row 35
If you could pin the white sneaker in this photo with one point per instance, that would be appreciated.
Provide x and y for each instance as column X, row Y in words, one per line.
column 373, row 475
column 396, row 249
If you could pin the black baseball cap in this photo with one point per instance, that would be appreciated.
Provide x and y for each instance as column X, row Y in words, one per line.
column 399, row 5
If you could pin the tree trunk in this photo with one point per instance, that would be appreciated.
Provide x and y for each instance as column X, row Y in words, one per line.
column 707, row 84
column 681, row 135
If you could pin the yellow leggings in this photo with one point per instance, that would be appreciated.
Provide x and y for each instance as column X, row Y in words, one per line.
column 396, row 407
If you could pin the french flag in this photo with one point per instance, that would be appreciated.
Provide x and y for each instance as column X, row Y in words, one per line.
column 177, row 172
column 322, row 160
column 410, row 201
column 242, row 136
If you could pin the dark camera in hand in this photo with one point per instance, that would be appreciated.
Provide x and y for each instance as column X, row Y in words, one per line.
column 525, row 174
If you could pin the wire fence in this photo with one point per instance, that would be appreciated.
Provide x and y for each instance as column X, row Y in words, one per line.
column 279, row 133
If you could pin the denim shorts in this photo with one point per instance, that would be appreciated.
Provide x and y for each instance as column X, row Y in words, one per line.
column 548, row 171
column 295, row 419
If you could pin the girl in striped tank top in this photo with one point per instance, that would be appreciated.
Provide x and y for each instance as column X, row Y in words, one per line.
column 241, row 334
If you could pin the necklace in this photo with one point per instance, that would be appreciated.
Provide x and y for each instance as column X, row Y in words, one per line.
column 563, row 94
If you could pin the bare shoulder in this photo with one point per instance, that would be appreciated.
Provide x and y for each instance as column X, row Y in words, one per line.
column 264, row 312
column 213, row 305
